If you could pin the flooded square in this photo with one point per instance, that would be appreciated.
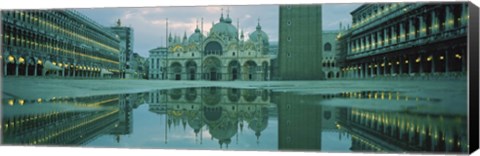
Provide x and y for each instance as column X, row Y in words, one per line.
column 218, row 118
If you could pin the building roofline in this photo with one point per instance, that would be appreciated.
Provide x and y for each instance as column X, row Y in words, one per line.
column 358, row 9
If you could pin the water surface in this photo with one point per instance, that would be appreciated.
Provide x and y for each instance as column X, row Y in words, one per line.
column 241, row 119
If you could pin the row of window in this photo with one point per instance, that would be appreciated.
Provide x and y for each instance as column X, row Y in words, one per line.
column 410, row 29
column 62, row 24
column 29, row 37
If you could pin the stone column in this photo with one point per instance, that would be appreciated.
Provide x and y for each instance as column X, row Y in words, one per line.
column 385, row 66
column 16, row 69
column 385, row 37
column 434, row 22
column 393, row 38
column 35, row 71
column 420, row 70
column 372, row 66
column 464, row 19
column 362, row 75
column 63, row 71
column 349, row 45
column 362, row 44
column 423, row 26
column 409, row 64
column 367, row 46
column 433, row 64
column 446, row 62
column 411, row 32
column 26, row 68
column 402, row 32
column 464, row 61
column 357, row 71
column 5, row 64
column 448, row 17
column 358, row 45
column 372, row 38
column 400, row 65
column 379, row 39
column 392, row 67
column 74, row 70
column 378, row 68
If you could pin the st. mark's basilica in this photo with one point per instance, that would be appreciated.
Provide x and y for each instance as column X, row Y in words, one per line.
column 224, row 54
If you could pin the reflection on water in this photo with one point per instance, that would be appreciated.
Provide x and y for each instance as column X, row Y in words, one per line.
column 239, row 119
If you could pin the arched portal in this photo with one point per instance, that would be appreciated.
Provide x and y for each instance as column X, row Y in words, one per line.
column 234, row 69
column 176, row 70
column 31, row 66
column 191, row 68
column 22, row 65
column 212, row 68
column 330, row 75
column 11, row 65
column 249, row 70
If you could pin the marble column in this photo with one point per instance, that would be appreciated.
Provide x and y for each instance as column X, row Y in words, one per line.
column 411, row 32
column 16, row 69
column 26, row 68
column 432, row 70
column 36, row 68
column 464, row 61
column 446, row 61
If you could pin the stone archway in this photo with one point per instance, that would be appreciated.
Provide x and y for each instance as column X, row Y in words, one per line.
column 234, row 70
column 176, row 70
column 11, row 65
column 212, row 69
column 249, row 70
column 31, row 66
column 191, row 68
column 330, row 75
column 22, row 66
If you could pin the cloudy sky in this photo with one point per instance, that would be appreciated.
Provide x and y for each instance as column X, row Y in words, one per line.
column 149, row 22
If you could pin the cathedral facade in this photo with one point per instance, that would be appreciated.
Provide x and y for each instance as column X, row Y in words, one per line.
column 223, row 54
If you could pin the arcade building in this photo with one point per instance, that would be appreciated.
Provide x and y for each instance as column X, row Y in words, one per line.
column 58, row 43
column 406, row 40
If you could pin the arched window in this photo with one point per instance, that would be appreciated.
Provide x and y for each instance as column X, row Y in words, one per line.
column 327, row 47
column 213, row 48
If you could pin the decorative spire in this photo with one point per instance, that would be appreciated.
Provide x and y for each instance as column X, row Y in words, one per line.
column 119, row 23
column 228, row 12
column 241, row 35
column 196, row 29
column 185, row 36
column 221, row 17
column 228, row 19
column 258, row 25
column 202, row 25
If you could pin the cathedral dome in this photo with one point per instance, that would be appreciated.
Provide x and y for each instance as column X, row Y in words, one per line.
column 196, row 37
column 259, row 35
column 225, row 28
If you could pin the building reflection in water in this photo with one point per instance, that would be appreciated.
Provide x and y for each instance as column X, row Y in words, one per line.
column 222, row 111
column 64, row 121
column 401, row 130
